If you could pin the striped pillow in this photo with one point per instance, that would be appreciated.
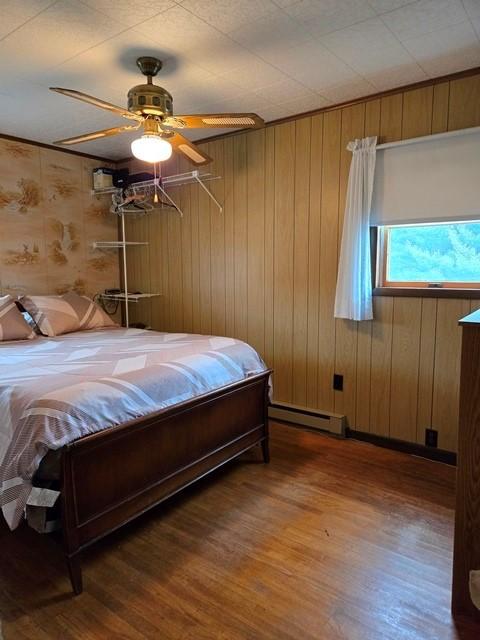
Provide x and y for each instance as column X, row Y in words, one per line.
column 12, row 324
column 56, row 315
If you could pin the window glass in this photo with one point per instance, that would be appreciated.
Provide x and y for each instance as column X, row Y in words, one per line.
column 432, row 253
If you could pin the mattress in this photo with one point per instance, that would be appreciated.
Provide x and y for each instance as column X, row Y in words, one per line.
column 56, row 390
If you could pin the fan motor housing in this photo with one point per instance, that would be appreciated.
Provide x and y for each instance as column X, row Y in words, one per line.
column 150, row 99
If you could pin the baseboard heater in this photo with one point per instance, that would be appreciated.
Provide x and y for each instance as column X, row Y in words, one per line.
column 311, row 418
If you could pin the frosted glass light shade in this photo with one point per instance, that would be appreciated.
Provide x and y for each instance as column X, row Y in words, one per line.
column 151, row 149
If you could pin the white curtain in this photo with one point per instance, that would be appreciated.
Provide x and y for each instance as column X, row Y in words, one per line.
column 353, row 299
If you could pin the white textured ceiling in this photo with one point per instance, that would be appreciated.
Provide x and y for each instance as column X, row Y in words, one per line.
column 274, row 57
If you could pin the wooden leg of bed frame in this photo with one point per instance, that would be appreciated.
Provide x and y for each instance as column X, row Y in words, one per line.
column 266, row 451
column 75, row 573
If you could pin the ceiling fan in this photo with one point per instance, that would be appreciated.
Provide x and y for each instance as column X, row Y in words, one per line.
column 151, row 109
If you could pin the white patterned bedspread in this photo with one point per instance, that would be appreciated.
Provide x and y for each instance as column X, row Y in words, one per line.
column 56, row 390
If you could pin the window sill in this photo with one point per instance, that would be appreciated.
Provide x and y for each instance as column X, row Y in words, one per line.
column 424, row 292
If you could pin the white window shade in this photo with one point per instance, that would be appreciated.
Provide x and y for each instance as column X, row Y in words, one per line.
column 430, row 179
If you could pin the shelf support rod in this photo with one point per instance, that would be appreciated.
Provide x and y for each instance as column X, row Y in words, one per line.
column 125, row 276
column 205, row 188
column 169, row 199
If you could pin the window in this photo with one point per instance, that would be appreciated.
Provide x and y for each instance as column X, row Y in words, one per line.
column 445, row 255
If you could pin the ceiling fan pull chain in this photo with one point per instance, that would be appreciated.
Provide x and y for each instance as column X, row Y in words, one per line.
column 155, row 197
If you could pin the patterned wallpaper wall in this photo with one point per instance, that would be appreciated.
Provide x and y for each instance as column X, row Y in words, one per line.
column 48, row 222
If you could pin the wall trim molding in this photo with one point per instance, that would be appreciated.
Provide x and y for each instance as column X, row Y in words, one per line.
column 44, row 145
column 412, row 448
column 373, row 96
column 342, row 105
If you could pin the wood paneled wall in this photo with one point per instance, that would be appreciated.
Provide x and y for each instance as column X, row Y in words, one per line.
column 265, row 270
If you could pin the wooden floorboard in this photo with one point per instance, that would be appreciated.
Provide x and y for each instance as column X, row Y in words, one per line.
column 333, row 540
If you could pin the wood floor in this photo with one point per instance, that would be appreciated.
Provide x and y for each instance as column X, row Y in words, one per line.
column 333, row 540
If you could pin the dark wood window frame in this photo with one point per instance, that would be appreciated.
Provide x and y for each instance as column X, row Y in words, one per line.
column 408, row 289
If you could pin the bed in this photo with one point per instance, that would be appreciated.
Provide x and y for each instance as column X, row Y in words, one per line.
column 135, row 415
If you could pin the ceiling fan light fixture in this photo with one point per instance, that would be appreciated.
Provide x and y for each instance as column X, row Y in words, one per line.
column 151, row 148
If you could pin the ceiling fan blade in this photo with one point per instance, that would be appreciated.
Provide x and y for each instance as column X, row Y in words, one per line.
column 78, row 95
column 104, row 133
column 215, row 120
column 195, row 154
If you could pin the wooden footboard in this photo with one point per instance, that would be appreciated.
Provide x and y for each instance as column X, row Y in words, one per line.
column 112, row 476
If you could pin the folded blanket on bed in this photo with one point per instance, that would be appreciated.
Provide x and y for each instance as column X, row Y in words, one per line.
column 56, row 390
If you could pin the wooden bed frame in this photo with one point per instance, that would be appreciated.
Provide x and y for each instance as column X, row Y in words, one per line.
column 113, row 476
